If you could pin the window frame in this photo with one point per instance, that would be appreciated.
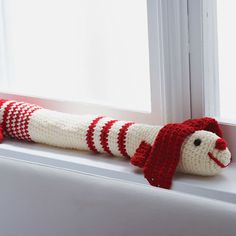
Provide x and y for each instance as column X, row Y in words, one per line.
column 203, row 59
column 178, row 71
column 169, row 70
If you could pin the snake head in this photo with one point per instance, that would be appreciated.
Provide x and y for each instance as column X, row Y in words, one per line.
column 204, row 153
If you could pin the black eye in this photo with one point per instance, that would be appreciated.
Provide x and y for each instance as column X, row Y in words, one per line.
column 197, row 142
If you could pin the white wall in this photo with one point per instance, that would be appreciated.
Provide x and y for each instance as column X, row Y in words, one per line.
column 37, row 200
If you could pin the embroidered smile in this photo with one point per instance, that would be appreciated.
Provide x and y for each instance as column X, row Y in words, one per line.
column 219, row 163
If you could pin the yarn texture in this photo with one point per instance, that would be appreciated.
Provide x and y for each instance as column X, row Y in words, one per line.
column 194, row 146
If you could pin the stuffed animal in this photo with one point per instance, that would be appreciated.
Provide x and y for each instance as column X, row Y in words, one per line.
column 194, row 146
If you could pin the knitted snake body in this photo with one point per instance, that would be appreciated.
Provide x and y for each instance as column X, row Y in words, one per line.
column 95, row 133
column 158, row 150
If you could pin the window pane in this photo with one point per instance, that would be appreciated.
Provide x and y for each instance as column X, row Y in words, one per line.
column 227, row 51
column 89, row 50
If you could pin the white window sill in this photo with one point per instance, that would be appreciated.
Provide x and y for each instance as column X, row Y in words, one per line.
column 221, row 187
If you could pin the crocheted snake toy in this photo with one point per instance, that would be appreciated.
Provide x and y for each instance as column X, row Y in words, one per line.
column 194, row 146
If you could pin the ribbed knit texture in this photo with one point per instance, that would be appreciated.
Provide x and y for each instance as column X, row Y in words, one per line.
column 162, row 162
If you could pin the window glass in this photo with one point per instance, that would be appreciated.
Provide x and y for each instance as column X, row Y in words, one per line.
column 89, row 50
column 226, row 19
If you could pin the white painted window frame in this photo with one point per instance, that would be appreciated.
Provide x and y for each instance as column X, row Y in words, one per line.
column 169, row 69
column 203, row 58
column 204, row 77
column 182, row 39
column 175, row 50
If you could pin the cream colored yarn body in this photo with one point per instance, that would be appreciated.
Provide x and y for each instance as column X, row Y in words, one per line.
column 122, row 138
column 69, row 131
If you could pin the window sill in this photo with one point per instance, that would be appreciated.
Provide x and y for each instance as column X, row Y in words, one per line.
column 221, row 187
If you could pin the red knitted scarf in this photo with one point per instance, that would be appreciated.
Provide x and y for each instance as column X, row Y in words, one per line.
column 159, row 161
